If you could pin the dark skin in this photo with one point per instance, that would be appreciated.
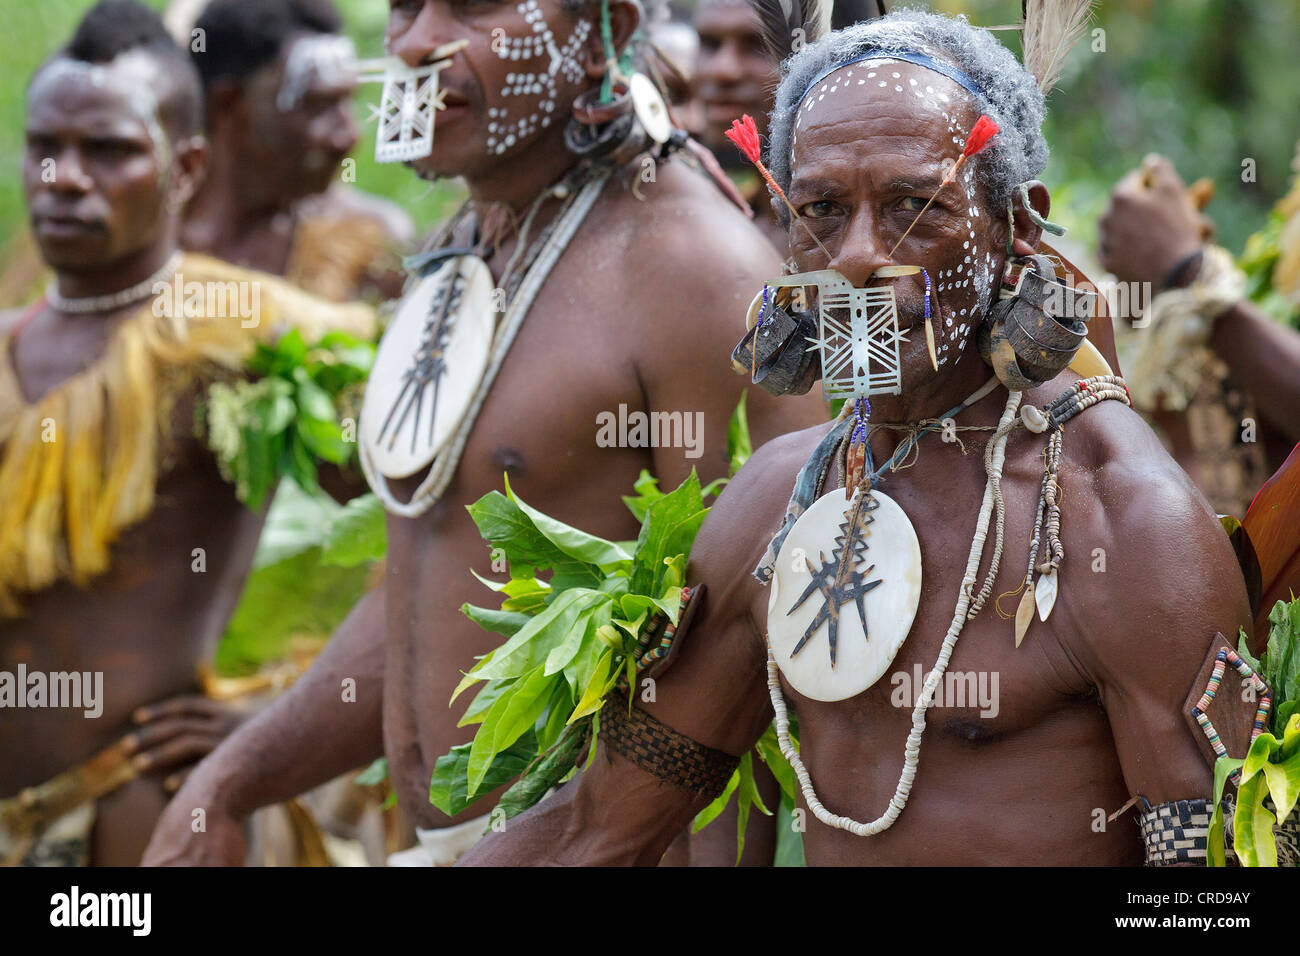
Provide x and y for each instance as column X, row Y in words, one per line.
column 108, row 221
column 1090, row 706
column 735, row 76
column 270, row 168
column 576, row 356
column 1149, row 227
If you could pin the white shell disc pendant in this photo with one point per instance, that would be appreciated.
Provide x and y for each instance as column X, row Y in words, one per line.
column 838, row 563
column 650, row 108
column 428, row 367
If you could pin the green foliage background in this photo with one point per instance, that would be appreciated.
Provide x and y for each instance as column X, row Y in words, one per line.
column 1209, row 83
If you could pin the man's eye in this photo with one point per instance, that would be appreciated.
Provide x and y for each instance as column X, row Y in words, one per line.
column 914, row 203
column 818, row 210
column 110, row 148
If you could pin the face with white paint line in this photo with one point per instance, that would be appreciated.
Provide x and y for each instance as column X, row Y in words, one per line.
column 515, row 82
column 872, row 142
column 103, row 177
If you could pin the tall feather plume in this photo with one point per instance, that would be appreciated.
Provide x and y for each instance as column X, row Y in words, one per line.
column 1051, row 29
column 781, row 18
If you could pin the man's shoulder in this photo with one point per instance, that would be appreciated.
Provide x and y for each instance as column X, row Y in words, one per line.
column 1130, row 511
column 684, row 221
column 752, row 506
column 340, row 204
column 279, row 304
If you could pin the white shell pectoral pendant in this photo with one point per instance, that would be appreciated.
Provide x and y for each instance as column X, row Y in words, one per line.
column 852, row 574
column 428, row 366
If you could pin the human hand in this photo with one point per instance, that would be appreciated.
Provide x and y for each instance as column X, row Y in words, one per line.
column 1151, row 225
column 177, row 733
column 184, row 836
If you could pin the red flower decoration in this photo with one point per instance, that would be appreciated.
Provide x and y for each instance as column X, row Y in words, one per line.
column 985, row 129
column 744, row 134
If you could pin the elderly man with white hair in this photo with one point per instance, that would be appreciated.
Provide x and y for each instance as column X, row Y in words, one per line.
column 931, row 733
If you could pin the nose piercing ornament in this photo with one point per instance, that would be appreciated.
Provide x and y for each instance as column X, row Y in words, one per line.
column 408, row 102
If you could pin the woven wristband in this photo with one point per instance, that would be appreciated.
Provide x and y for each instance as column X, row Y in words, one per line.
column 664, row 753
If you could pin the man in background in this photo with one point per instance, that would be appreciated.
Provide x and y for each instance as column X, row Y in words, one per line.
column 278, row 81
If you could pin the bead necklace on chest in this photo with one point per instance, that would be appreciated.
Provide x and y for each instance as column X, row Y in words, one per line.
column 864, row 586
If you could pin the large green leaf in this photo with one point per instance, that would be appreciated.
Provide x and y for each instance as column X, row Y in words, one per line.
column 576, row 544
column 739, row 445
column 1283, row 780
column 358, row 534
column 488, row 695
column 1215, row 846
column 296, row 596
column 449, row 784
column 747, row 796
column 669, row 529
column 579, row 671
column 1262, row 750
column 1252, row 829
column 590, row 620
column 532, row 643
column 513, row 713
column 505, row 623
column 647, row 491
column 593, row 694
column 296, row 522
column 1290, row 738
column 770, row 750
column 507, row 526
column 711, row 812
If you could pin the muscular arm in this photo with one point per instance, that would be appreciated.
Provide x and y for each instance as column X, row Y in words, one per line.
column 1174, row 584
column 307, row 737
column 715, row 693
column 1264, row 356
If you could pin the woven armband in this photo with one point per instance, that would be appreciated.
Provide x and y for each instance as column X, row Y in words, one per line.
column 1176, row 832
column 664, row 753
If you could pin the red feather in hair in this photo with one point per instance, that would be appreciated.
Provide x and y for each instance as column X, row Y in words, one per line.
column 744, row 133
column 985, row 129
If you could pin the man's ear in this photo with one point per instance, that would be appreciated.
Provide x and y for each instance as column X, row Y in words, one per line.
column 189, row 169
column 624, row 18
column 1028, row 233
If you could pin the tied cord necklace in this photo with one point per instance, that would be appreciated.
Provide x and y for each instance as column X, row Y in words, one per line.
column 994, row 459
column 1083, row 395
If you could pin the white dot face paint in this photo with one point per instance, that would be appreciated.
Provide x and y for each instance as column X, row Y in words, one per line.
column 961, row 285
column 530, row 97
column 842, row 79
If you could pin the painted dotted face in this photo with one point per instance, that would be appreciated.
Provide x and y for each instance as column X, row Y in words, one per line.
column 522, row 65
column 529, row 99
column 871, row 144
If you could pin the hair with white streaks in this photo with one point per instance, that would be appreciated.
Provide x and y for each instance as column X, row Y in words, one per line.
column 1012, row 99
